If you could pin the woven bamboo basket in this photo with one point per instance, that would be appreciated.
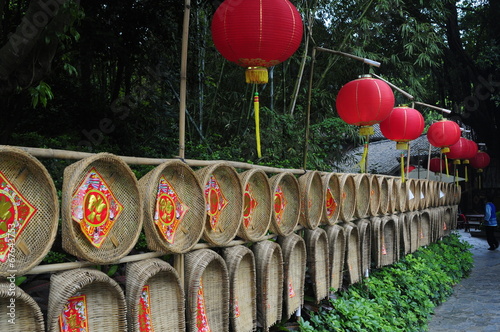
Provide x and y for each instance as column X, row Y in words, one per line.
column 424, row 194
column 352, row 267
column 286, row 203
column 441, row 193
column 362, row 185
column 400, row 194
column 365, row 244
column 454, row 214
column 101, row 209
column 257, row 205
column 431, row 193
column 19, row 311
column 240, row 263
column 384, row 200
column 375, row 195
column 318, row 262
column 294, row 252
column 224, row 203
column 457, row 194
column 86, row 293
column 173, row 207
column 32, row 214
column 388, row 241
column 413, row 194
column 392, row 196
column 337, row 245
column 155, row 298
column 425, row 228
column 269, row 262
column 312, row 199
column 207, row 291
column 347, row 197
column 331, row 188
column 402, row 221
column 414, row 229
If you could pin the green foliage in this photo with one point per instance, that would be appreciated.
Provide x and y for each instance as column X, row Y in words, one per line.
column 41, row 94
column 400, row 297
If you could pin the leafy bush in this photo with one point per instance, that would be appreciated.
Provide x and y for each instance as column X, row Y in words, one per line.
column 400, row 297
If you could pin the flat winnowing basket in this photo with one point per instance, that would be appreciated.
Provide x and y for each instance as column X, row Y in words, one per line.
column 286, row 203
column 412, row 194
column 426, row 228
column 388, row 241
column 173, row 207
column 240, row 263
column 313, row 199
column 404, row 233
column 457, row 195
column 257, row 205
column 95, row 299
column 224, row 202
column 415, row 230
column 30, row 211
column 424, row 194
column 365, row 243
column 331, row 189
column 384, row 200
column 362, row 185
column 207, row 291
column 453, row 219
column 401, row 194
column 337, row 245
column 155, row 298
column 19, row 311
column 269, row 263
column 347, row 197
column 318, row 260
column 375, row 195
column 101, row 209
column 352, row 267
column 441, row 193
column 294, row 252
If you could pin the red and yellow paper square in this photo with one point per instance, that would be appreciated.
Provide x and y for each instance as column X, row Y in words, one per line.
column 169, row 210
column 280, row 203
column 15, row 214
column 216, row 201
column 95, row 208
column 331, row 203
column 145, row 321
column 74, row 317
column 250, row 203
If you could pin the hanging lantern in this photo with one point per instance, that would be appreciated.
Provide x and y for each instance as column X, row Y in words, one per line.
column 443, row 134
column 403, row 124
column 437, row 165
column 257, row 34
column 458, row 150
column 409, row 169
column 470, row 152
column 480, row 161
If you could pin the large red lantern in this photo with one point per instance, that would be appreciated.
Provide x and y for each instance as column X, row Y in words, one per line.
column 471, row 151
column 403, row 124
column 437, row 165
column 443, row 134
column 458, row 150
column 480, row 160
column 257, row 34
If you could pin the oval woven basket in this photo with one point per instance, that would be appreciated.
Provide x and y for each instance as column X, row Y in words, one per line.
column 414, row 228
column 331, row 192
column 384, row 201
column 347, row 197
column 318, row 261
column 424, row 194
column 30, row 211
column 426, row 228
column 294, row 252
column 336, row 242
column 224, row 203
column 453, row 217
column 365, row 244
column 375, row 195
column 20, row 313
column 363, row 195
column 257, row 205
column 207, row 291
column 240, row 263
column 101, row 209
column 155, row 298
column 312, row 199
column 404, row 233
column 441, row 193
column 388, row 241
column 412, row 194
column 400, row 192
column 173, row 207
column 269, row 263
column 352, row 267
column 86, row 297
column 286, row 203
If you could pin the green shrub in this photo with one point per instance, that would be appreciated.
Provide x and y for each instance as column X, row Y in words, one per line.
column 400, row 297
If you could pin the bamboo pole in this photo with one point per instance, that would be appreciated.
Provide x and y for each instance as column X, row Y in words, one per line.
column 308, row 114
column 183, row 77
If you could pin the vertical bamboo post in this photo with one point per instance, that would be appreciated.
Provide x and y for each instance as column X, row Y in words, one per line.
column 308, row 115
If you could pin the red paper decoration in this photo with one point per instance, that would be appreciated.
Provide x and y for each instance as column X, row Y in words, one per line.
column 365, row 102
column 459, row 150
column 471, row 151
column 481, row 160
column 437, row 165
column 403, row 124
column 257, row 34
column 409, row 169
column 443, row 134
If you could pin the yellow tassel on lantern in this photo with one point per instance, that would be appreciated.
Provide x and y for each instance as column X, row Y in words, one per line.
column 257, row 75
column 403, row 168
column 446, row 165
column 365, row 131
column 257, row 122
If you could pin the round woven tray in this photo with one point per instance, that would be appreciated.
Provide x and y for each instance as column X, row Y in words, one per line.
column 257, row 205
column 224, row 203
column 286, row 203
column 424, row 194
column 207, row 291
column 269, row 263
column 365, row 244
column 318, row 261
column 412, row 194
column 347, row 197
column 375, row 195
column 331, row 189
column 362, row 185
column 104, row 301
column 173, row 207
column 384, row 201
column 337, row 245
column 30, row 211
column 433, row 190
column 240, row 263
column 100, row 192
column 414, row 229
column 404, row 232
column 441, row 194
column 453, row 214
column 426, row 228
column 313, row 199
column 388, row 241
column 352, row 268
column 294, row 252
column 20, row 313
column 400, row 193
column 155, row 298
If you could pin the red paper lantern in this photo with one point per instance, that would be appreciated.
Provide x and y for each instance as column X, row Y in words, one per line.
column 365, row 102
column 403, row 124
column 409, row 169
column 257, row 34
column 459, row 150
column 443, row 134
column 471, row 151
column 480, row 160
column 437, row 165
